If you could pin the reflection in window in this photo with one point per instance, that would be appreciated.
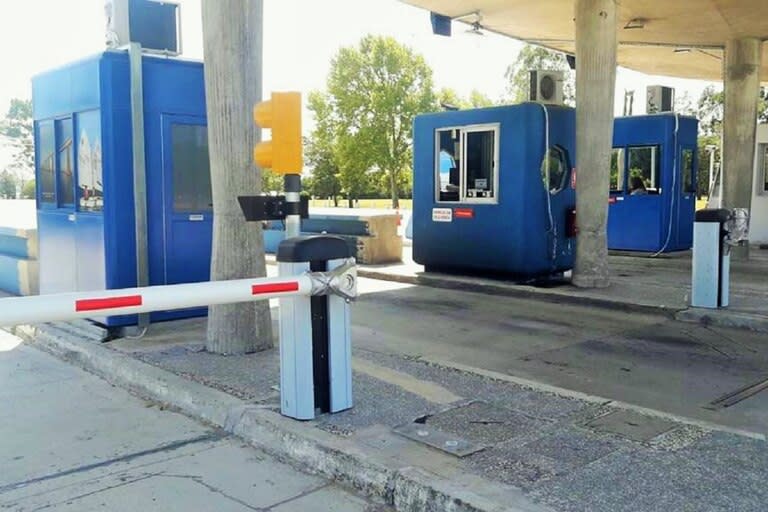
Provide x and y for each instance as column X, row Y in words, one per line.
column 90, row 189
column 617, row 170
column 689, row 187
column 65, row 150
column 480, row 154
column 764, row 166
column 557, row 170
column 191, row 168
column 47, row 161
column 644, row 163
column 449, row 157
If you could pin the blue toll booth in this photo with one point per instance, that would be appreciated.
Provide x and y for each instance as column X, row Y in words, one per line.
column 493, row 190
column 653, row 183
column 84, row 166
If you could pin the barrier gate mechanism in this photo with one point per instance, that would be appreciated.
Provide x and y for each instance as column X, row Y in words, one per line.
column 318, row 279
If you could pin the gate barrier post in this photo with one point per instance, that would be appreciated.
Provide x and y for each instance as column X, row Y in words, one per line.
column 315, row 349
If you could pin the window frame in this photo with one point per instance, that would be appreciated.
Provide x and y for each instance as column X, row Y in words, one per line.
column 622, row 159
column 464, row 130
column 694, row 184
column 656, row 161
column 562, row 154
column 51, row 204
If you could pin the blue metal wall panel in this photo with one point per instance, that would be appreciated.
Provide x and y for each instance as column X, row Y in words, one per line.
column 652, row 223
column 511, row 236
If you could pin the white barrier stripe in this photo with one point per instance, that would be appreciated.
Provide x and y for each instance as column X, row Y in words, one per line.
column 68, row 306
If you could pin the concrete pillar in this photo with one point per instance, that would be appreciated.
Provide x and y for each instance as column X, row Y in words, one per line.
column 595, row 88
column 743, row 58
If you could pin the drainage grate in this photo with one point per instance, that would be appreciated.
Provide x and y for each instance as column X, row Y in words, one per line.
column 631, row 425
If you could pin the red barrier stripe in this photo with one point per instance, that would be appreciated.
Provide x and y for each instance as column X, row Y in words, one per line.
column 109, row 303
column 260, row 289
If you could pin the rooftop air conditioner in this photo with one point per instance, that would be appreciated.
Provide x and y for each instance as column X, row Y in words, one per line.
column 660, row 99
column 547, row 87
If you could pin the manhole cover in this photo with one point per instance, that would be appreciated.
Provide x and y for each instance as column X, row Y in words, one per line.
column 483, row 423
column 631, row 425
column 449, row 443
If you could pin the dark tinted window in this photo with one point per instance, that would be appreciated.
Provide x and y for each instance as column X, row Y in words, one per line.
column 90, row 189
column 191, row 168
column 481, row 152
column 65, row 150
column 448, row 163
column 644, row 163
column 46, row 154
column 689, row 187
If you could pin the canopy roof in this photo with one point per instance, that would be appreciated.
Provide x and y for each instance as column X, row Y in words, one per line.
column 681, row 38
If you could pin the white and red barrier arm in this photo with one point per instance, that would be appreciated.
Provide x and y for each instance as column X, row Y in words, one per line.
column 69, row 306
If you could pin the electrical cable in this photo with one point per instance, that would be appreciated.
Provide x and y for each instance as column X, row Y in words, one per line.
column 552, row 227
column 674, row 184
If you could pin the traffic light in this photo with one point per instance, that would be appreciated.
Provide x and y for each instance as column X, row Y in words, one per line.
column 281, row 114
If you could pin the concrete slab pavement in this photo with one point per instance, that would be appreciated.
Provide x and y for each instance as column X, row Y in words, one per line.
column 70, row 441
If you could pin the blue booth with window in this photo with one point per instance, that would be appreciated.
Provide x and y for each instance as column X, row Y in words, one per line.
column 493, row 190
column 84, row 166
column 653, row 183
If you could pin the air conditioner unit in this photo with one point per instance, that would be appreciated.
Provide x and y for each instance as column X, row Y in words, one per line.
column 547, row 87
column 660, row 99
column 155, row 24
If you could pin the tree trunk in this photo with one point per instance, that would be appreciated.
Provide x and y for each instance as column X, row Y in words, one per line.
column 232, row 35
column 393, row 190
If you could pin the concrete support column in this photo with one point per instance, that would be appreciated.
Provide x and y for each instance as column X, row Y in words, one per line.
column 743, row 58
column 595, row 87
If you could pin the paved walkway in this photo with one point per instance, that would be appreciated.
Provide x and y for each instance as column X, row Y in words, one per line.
column 70, row 441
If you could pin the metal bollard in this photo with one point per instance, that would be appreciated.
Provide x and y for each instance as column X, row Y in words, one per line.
column 714, row 232
column 315, row 348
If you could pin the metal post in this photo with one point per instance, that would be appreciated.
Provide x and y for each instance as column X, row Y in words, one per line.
column 292, row 184
column 139, row 171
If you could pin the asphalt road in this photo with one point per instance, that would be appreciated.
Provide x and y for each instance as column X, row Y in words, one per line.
column 70, row 441
column 643, row 359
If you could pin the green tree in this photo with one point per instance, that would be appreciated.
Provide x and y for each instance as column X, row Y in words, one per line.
column 28, row 191
column 320, row 149
column 7, row 185
column 449, row 98
column 271, row 182
column 710, row 111
column 532, row 58
column 375, row 90
column 17, row 130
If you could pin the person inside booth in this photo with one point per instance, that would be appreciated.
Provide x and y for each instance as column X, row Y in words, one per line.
column 637, row 186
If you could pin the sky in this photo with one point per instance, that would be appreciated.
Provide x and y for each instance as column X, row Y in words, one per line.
column 300, row 39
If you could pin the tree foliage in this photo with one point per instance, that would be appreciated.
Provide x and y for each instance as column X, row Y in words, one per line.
column 17, row 129
column 375, row 89
column 7, row 185
column 531, row 58
column 450, row 99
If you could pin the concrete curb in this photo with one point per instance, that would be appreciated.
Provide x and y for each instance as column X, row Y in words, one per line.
column 724, row 318
column 405, row 488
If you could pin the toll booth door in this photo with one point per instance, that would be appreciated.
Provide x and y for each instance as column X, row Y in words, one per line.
column 188, row 204
column 687, row 204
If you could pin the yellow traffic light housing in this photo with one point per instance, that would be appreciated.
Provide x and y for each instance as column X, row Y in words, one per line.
column 282, row 114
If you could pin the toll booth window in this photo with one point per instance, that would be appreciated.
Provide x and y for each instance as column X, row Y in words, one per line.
column 191, row 168
column 558, row 170
column 46, row 155
column 90, row 189
column 65, row 150
column 480, row 155
column 448, row 163
column 686, row 162
column 617, row 170
column 644, row 164
column 764, row 165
